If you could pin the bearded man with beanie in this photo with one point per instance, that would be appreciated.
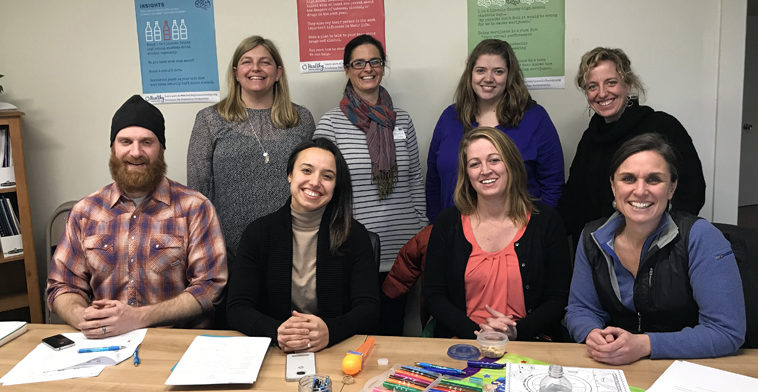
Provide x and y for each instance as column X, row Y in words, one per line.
column 142, row 251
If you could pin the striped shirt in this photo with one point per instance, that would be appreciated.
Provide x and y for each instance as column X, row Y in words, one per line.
column 402, row 214
column 141, row 255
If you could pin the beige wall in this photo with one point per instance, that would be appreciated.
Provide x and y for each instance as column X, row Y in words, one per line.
column 70, row 64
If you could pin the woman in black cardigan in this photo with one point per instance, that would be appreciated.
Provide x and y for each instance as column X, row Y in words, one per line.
column 305, row 275
column 474, row 246
column 611, row 88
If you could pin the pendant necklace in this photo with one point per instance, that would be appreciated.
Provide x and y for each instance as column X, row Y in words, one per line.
column 265, row 153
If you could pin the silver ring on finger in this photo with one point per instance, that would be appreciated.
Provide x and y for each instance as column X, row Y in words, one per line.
column 309, row 345
column 104, row 331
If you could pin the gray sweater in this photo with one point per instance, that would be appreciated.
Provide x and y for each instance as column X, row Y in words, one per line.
column 225, row 162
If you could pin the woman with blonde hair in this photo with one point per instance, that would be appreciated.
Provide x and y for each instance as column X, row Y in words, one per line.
column 239, row 147
column 496, row 260
column 612, row 88
column 492, row 92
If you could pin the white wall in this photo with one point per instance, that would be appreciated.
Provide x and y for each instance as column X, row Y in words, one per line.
column 70, row 64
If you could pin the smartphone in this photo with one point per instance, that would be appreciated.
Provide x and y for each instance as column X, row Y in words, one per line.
column 300, row 365
column 58, row 342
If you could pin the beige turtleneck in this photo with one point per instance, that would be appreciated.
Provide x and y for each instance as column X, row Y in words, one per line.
column 304, row 245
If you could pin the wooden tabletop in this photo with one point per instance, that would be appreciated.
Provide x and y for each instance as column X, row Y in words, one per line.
column 163, row 347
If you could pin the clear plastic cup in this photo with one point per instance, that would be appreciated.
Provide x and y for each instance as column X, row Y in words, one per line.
column 317, row 383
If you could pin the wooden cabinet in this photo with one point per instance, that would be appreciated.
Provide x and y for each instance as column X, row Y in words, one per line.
column 19, row 287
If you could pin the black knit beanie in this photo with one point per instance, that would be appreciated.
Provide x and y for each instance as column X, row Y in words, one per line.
column 138, row 112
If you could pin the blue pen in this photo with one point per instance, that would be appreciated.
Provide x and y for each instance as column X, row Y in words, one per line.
column 441, row 369
column 136, row 356
column 99, row 349
column 486, row 365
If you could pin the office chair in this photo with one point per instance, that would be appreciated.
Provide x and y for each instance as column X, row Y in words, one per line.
column 745, row 246
column 55, row 226
column 376, row 243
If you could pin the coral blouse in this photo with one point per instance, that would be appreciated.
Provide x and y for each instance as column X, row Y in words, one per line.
column 493, row 278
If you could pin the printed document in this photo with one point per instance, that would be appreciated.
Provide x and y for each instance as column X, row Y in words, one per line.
column 220, row 360
column 45, row 364
column 686, row 376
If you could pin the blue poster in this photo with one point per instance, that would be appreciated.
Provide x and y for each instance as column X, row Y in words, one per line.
column 177, row 50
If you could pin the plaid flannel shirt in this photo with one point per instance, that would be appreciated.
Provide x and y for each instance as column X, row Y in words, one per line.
column 144, row 254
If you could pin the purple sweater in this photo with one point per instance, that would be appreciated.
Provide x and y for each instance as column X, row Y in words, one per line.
column 535, row 137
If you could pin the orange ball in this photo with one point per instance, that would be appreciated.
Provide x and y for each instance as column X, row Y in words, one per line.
column 351, row 364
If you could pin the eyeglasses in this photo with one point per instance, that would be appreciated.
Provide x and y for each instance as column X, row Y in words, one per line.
column 376, row 62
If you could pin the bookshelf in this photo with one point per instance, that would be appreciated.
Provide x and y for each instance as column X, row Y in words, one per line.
column 19, row 287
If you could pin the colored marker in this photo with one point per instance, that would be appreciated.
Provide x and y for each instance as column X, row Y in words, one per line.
column 413, row 376
column 410, row 381
column 459, row 384
column 136, row 357
column 99, row 349
column 401, row 388
column 486, row 365
column 425, row 372
column 441, row 369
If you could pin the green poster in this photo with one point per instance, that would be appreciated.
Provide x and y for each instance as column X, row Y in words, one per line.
column 534, row 28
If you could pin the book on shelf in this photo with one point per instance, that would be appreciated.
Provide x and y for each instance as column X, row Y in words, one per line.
column 7, row 173
column 11, row 242
column 9, row 216
column 5, row 135
column 6, row 226
column 10, row 330
column 14, row 217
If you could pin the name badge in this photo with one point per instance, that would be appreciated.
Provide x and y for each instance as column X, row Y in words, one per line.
column 398, row 134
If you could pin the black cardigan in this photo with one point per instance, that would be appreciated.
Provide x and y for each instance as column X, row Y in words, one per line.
column 587, row 194
column 544, row 262
column 260, row 279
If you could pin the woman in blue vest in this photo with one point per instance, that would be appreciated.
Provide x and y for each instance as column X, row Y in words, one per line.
column 649, row 282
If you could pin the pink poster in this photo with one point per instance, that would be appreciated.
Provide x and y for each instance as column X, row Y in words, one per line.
column 325, row 26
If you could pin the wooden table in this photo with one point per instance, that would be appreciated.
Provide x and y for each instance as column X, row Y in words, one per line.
column 163, row 347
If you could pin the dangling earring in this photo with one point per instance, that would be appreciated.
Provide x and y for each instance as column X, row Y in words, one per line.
column 670, row 205
column 629, row 101
column 613, row 204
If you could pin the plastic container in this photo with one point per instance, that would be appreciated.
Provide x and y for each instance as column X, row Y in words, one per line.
column 317, row 383
column 492, row 343
column 378, row 381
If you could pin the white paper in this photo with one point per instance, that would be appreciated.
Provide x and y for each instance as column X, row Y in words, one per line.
column 46, row 364
column 9, row 327
column 220, row 360
column 522, row 377
column 683, row 376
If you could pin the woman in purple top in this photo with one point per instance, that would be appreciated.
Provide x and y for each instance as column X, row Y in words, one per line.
column 492, row 92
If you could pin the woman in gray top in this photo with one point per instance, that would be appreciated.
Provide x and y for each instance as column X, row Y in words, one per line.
column 239, row 147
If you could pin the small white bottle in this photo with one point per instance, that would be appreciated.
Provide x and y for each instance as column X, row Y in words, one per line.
column 156, row 32
column 174, row 31
column 182, row 30
column 555, row 381
column 148, row 33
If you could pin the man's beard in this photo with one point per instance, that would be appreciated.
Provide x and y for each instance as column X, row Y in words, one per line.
column 137, row 181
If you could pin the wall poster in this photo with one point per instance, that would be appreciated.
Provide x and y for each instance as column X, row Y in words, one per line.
column 325, row 26
column 177, row 47
column 534, row 28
